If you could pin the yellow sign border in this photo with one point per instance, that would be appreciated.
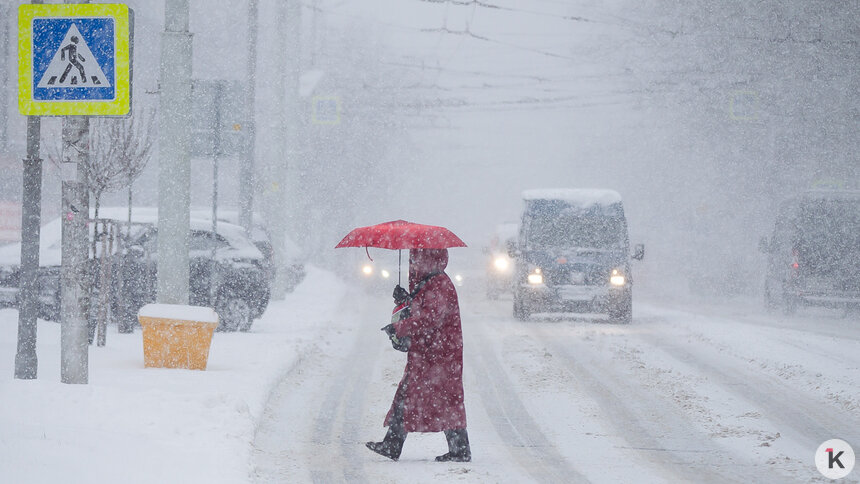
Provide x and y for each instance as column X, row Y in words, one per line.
column 119, row 106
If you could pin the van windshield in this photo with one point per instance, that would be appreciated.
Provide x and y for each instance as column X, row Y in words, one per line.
column 559, row 225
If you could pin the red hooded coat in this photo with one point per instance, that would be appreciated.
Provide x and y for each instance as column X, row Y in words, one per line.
column 432, row 384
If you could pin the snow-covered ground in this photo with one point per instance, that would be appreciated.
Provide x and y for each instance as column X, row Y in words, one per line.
column 684, row 394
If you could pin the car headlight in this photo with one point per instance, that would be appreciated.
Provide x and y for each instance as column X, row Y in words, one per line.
column 536, row 277
column 617, row 278
column 367, row 269
column 385, row 274
column 458, row 278
column 501, row 264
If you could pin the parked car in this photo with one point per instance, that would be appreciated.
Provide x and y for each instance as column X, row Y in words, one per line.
column 499, row 264
column 241, row 288
column 234, row 281
column 259, row 235
column 814, row 252
column 48, row 279
column 573, row 255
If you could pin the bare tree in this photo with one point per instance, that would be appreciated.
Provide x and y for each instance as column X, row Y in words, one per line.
column 119, row 152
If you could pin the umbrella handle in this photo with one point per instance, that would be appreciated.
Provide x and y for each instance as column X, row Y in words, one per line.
column 366, row 251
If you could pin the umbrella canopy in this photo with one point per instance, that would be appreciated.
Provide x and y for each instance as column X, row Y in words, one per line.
column 401, row 234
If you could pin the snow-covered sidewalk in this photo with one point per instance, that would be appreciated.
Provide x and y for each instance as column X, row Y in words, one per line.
column 136, row 424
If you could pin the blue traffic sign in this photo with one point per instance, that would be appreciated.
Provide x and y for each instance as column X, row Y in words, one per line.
column 74, row 59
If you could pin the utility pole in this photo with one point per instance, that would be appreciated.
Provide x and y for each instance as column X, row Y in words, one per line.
column 174, row 177
column 216, row 155
column 4, row 75
column 26, row 362
column 75, row 251
column 246, row 171
column 288, row 69
column 74, row 352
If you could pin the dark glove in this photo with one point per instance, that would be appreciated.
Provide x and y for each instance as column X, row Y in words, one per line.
column 400, row 295
column 399, row 344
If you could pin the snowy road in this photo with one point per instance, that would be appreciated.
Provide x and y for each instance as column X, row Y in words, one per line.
column 700, row 395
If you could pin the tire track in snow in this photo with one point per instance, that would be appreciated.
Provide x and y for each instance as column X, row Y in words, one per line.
column 289, row 447
column 835, row 327
column 262, row 451
column 653, row 426
column 512, row 421
column 346, row 396
column 811, row 421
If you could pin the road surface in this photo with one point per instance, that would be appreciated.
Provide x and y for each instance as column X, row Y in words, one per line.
column 717, row 394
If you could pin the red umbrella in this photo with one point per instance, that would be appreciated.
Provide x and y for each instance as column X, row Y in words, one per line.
column 401, row 234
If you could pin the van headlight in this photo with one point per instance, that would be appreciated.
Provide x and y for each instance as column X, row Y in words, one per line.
column 617, row 278
column 535, row 277
column 501, row 263
column 367, row 269
column 385, row 274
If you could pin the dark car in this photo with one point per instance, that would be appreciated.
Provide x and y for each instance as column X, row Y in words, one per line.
column 294, row 258
column 227, row 272
column 239, row 290
column 573, row 255
column 814, row 252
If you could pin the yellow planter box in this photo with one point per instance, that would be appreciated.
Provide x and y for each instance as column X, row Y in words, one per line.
column 176, row 336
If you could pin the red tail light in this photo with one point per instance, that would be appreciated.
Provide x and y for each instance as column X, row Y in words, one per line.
column 795, row 259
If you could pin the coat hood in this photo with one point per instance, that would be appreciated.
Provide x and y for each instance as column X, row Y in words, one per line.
column 423, row 262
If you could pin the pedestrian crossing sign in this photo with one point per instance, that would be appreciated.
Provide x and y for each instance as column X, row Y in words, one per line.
column 74, row 59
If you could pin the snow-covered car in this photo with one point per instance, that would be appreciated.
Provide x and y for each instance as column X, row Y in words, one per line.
column 234, row 281
column 814, row 252
column 293, row 254
column 500, row 265
column 573, row 254
column 48, row 279
column 241, row 288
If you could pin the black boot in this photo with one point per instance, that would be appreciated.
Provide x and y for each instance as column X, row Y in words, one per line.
column 385, row 449
column 458, row 447
column 391, row 445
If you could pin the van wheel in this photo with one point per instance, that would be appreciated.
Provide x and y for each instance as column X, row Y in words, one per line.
column 622, row 313
column 521, row 311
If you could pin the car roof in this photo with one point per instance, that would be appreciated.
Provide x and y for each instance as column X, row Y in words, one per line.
column 50, row 236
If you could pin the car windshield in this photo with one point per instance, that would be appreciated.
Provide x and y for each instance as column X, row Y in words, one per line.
column 554, row 224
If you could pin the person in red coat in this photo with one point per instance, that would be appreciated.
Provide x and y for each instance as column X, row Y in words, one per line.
column 430, row 395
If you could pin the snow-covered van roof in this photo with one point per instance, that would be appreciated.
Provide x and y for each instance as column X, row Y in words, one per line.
column 577, row 196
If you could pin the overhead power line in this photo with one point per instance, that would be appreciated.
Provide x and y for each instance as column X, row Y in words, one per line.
column 479, row 3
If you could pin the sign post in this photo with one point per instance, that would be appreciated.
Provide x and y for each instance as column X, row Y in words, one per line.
column 26, row 362
column 74, row 60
